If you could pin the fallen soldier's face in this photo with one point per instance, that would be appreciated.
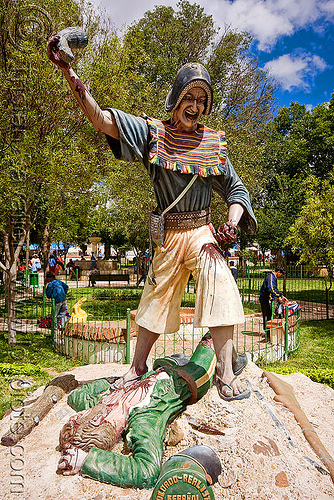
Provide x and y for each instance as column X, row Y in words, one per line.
column 102, row 425
column 89, row 431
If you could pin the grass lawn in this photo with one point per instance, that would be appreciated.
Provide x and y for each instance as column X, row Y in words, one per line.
column 315, row 355
column 28, row 361
column 311, row 290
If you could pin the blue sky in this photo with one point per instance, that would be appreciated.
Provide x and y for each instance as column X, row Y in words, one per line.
column 293, row 39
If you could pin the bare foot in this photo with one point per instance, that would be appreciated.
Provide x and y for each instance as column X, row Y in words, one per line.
column 229, row 387
column 132, row 374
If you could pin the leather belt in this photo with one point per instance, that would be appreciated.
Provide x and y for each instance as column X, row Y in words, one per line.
column 187, row 220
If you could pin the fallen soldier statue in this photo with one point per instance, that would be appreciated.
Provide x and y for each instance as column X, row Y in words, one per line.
column 139, row 412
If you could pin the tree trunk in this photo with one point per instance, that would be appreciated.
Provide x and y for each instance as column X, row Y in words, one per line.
column 106, row 249
column 285, row 269
column 46, row 245
column 27, row 248
column 11, row 305
column 12, row 253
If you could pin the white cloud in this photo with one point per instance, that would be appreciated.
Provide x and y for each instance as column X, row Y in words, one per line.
column 127, row 11
column 266, row 20
column 328, row 8
column 296, row 71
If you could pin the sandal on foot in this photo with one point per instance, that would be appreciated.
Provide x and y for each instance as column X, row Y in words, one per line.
column 220, row 383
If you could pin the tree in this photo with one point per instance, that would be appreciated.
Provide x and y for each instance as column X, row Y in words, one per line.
column 280, row 207
column 312, row 234
column 126, row 213
column 297, row 143
column 138, row 75
column 44, row 168
column 300, row 142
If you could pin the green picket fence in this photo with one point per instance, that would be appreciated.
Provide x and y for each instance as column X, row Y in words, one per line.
column 109, row 334
column 29, row 306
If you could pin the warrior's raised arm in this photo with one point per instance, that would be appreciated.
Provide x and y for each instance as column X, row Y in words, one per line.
column 101, row 120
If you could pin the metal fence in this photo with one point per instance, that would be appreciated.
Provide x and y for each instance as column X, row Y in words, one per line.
column 108, row 332
column 309, row 287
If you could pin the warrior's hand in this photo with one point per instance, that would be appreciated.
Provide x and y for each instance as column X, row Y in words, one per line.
column 227, row 233
column 71, row 461
column 53, row 54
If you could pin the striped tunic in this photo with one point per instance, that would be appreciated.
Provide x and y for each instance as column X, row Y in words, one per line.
column 202, row 152
column 171, row 157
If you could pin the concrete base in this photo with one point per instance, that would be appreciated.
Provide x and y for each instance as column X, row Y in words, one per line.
column 103, row 265
column 98, row 342
column 95, row 351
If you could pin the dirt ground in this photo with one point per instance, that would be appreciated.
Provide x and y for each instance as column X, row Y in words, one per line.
column 257, row 460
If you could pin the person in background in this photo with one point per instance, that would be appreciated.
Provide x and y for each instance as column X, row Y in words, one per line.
column 143, row 276
column 52, row 264
column 35, row 263
column 268, row 293
column 57, row 290
column 93, row 261
column 94, row 271
column 234, row 270
column 59, row 263
column 71, row 268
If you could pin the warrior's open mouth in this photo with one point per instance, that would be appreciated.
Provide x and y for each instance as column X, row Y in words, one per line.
column 191, row 116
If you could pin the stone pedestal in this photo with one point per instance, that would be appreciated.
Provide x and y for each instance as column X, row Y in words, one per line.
column 94, row 240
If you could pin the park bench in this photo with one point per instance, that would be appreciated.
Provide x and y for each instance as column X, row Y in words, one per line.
column 110, row 277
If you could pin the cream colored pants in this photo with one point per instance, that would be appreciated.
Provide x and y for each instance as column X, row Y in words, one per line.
column 217, row 298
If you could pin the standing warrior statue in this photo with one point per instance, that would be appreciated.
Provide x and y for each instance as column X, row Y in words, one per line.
column 185, row 161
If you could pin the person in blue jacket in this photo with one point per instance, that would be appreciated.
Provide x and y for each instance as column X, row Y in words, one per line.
column 57, row 290
column 268, row 293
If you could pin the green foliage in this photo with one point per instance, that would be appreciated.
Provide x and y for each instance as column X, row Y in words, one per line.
column 167, row 39
column 278, row 211
column 28, row 360
column 136, row 74
column 50, row 164
column 249, row 256
column 300, row 142
column 106, row 304
column 48, row 156
column 13, row 369
column 312, row 234
column 320, row 375
column 297, row 143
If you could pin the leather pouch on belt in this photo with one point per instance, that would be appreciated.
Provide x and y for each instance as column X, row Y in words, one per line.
column 157, row 227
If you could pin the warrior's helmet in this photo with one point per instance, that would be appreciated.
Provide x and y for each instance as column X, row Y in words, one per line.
column 190, row 75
